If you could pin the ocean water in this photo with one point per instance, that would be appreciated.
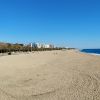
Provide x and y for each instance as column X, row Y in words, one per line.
column 91, row 51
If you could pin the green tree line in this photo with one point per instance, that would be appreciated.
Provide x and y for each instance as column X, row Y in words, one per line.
column 21, row 48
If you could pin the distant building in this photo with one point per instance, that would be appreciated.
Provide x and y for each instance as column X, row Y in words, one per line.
column 38, row 45
column 46, row 46
column 49, row 46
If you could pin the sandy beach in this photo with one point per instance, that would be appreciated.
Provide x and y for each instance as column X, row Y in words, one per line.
column 50, row 75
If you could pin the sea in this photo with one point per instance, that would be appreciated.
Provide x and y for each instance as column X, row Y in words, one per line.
column 91, row 51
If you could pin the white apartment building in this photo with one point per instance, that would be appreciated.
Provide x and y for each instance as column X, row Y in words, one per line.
column 38, row 45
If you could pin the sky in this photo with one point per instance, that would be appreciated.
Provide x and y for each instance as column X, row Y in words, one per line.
column 69, row 23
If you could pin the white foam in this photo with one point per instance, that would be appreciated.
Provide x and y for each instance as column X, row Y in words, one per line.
column 93, row 54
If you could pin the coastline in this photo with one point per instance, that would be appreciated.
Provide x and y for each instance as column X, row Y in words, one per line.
column 91, row 51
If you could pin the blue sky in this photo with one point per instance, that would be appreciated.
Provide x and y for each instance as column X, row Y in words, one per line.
column 73, row 23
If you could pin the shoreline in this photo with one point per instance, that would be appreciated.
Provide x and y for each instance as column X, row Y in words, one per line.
column 94, row 54
column 91, row 53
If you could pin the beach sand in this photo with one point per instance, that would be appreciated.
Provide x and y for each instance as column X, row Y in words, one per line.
column 50, row 75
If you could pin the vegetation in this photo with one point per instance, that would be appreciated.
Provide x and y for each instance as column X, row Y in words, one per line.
column 9, row 48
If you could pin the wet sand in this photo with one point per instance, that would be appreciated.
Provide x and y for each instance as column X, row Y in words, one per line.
column 50, row 75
